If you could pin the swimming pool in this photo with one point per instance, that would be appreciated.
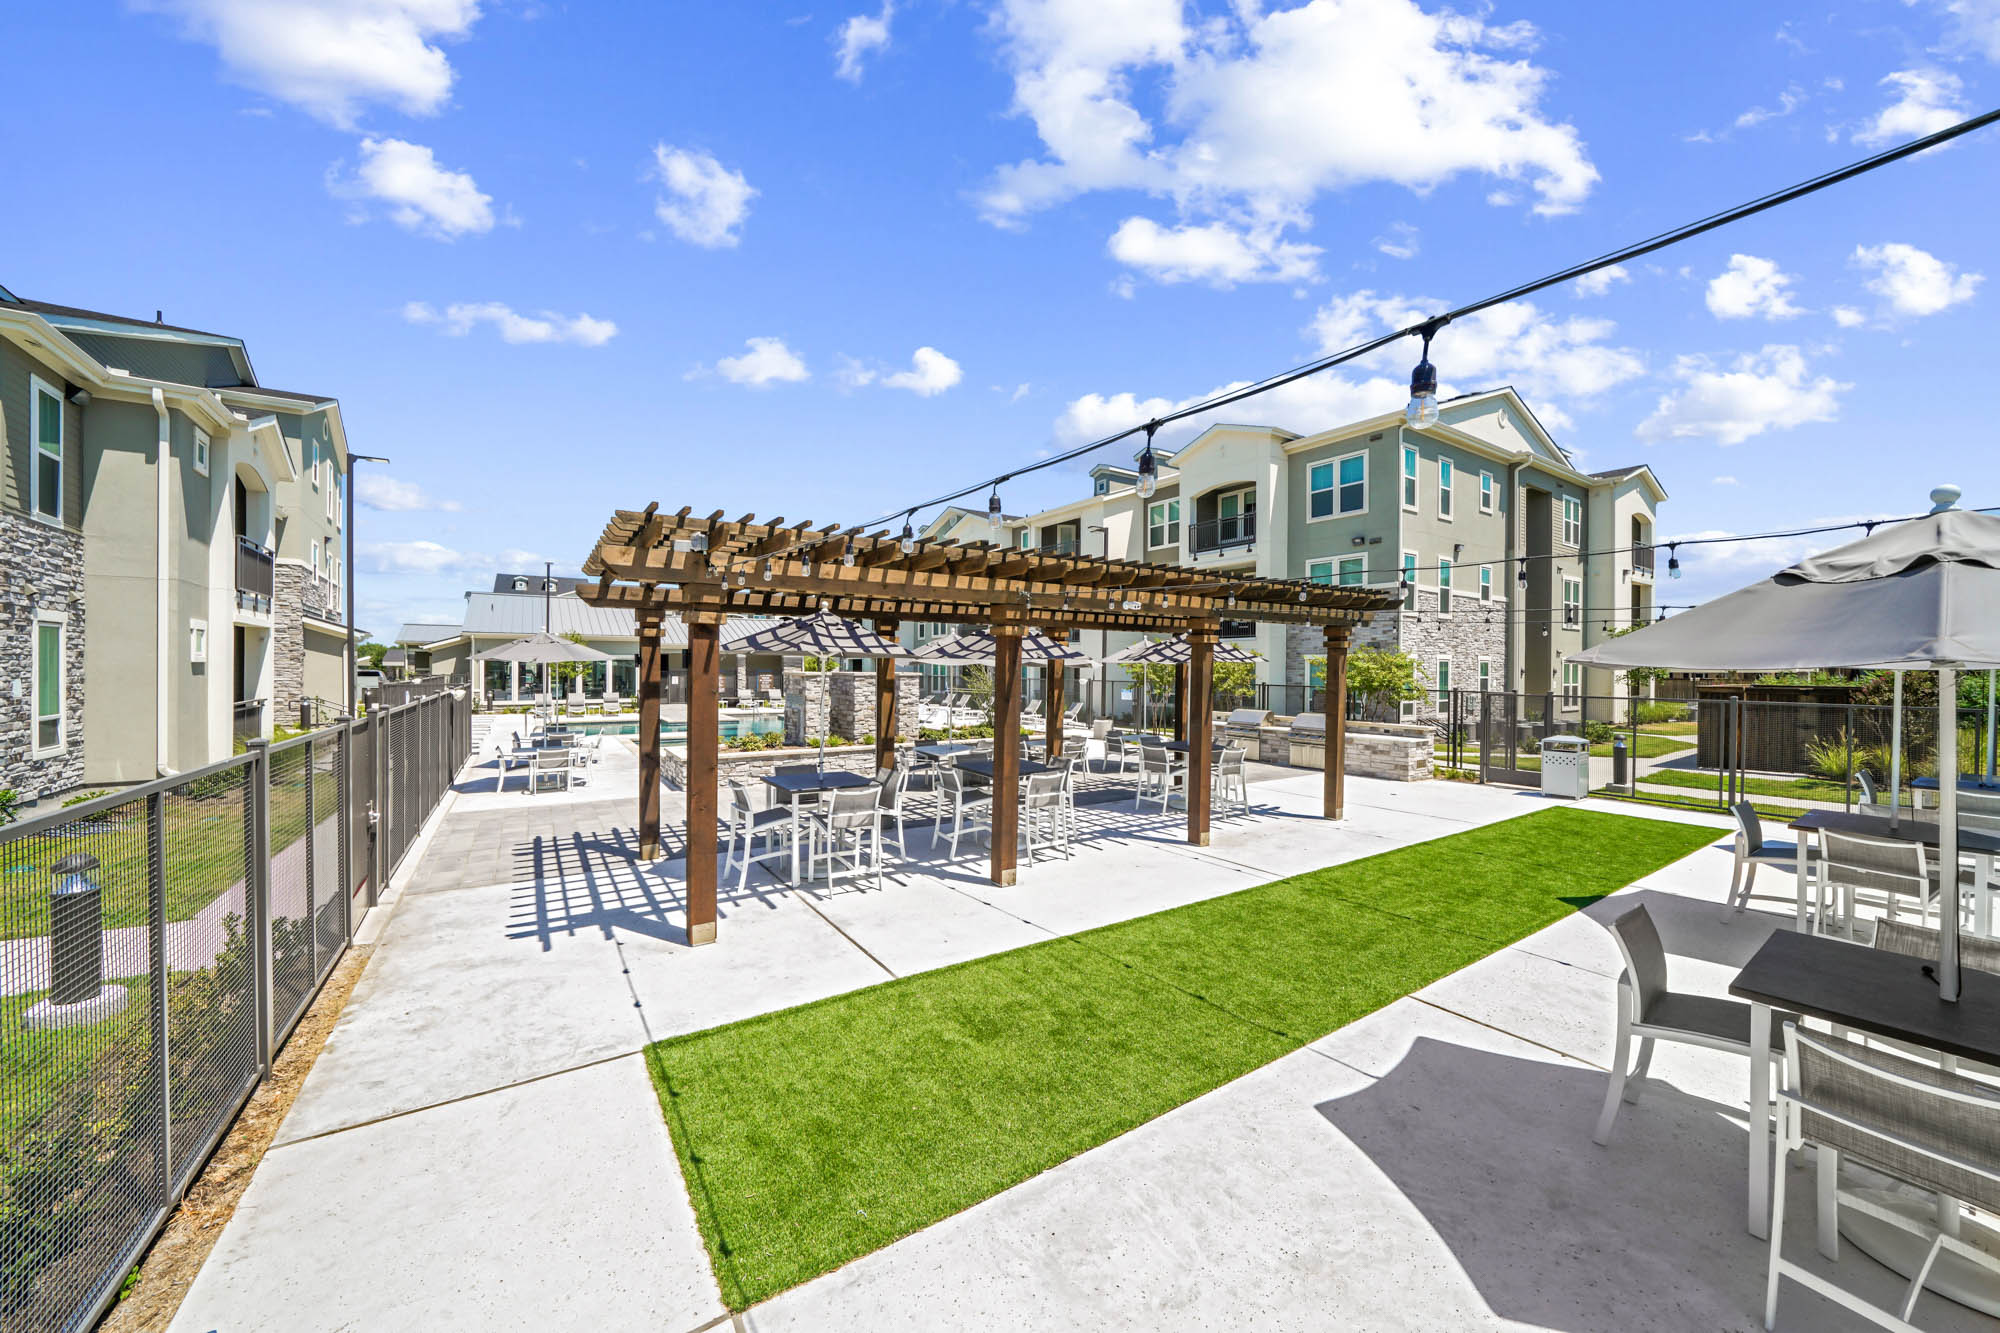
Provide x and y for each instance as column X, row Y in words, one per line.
column 730, row 727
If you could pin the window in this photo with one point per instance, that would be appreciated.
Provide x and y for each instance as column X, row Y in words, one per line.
column 1572, row 684
column 1444, row 586
column 1486, row 583
column 1443, row 680
column 1572, row 600
column 1409, row 476
column 1339, row 487
column 332, row 491
column 1444, row 488
column 520, row 585
column 1485, row 674
column 1103, row 486
column 1353, row 570
column 1027, row 538
column 315, row 559
column 1572, row 521
column 1163, row 524
column 1410, row 580
column 1319, row 571
column 201, row 453
column 1486, row 492
column 48, row 684
column 47, row 429
column 311, row 450
column 197, row 640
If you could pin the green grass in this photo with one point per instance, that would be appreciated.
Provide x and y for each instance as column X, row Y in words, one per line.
column 41, row 1068
column 1687, row 728
column 814, row 1135
column 1530, row 759
column 1799, row 789
column 1700, row 805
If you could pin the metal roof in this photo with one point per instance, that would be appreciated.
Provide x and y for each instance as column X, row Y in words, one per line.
column 515, row 614
column 429, row 632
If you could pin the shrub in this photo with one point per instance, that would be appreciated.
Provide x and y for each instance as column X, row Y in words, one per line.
column 1654, row 711
column 81, row 797
column 1598, row 733
column 8, row 800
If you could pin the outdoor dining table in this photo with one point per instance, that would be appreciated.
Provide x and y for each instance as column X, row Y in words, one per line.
column 983, row 766
column 810, row 784
column 942, row 751
column 1875, row 991
column 1978, row 845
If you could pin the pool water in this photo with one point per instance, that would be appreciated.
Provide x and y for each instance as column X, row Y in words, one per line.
column 730, row 727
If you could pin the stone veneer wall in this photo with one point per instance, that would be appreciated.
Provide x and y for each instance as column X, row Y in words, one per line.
column 51, row 560
column 1396, row 751
column 842, row 703
column 288, row 638
column 752, row 766
column 1467, row 636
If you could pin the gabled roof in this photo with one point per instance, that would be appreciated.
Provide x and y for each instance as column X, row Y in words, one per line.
column 512, row 614
column 60, row 314
column 423, row 632
column 1637, row 469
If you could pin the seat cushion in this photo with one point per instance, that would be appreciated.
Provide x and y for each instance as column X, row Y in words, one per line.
column 1709, row 1016
column 1776, row 851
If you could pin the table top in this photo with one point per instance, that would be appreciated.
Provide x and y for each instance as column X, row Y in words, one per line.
column 833, row 780
column 944, row 750
column 1875, row 990
column 1906, row 830
column 1182, row 747
column 1964, row 784
column 984, row 767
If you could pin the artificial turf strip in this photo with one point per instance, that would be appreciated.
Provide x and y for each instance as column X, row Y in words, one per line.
column 812, row 1136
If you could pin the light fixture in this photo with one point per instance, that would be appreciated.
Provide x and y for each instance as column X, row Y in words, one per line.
column 1149, row 467
column 1230, row 601
column 909, row 538
column 1457, row 552
column 847, row 556
column 767, row 571
column 1357, row 540
column 1131, row 604
column 742, row 579
column 1423, row 409
column 993, row 504
column 1673, row 561
column 1523, row 578
column 1302, row 594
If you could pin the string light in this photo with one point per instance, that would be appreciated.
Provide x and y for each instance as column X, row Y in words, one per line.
column 993, row 502
column 909, row 538
column 1423, row 409
column 1673, row 560
column 1149, row 467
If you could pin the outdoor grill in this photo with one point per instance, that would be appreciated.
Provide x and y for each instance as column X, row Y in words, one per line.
column 1309, row 740
column 1242, row 724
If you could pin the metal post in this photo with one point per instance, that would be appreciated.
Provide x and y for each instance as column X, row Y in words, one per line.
column 156, row 951
column 312, row 867
column 1486, row 737
column 378, row 811
column 345, row 854
column 1847, row 794
column 649, row 735
column 260, row 896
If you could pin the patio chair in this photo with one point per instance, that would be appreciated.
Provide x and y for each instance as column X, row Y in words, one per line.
column 971, row 807
column 612, row 703
column 892, row 785
column 1913, row 1122
column 574, row 703
column 1751, row 852
column 1072, row 766
column 788, row 798
column 549, row 768
column 1158, row 769
column 748, row 824
column 1230, row 783
column 1887, row 870
column 1044, row 822
column 1867, row 784
column 847, row 834
column 1650, row 1012
column 1126, row 752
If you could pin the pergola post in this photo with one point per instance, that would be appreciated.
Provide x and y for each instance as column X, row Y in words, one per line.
column 649, row 736
column 703, row 764
column 1198, row 672
column 1334, row 792
column 885, row 700
column 1053, row 694
column 1006, row 744
column 1180, row 701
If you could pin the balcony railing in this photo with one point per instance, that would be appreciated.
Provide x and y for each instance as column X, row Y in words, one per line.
column 255, row 577
column 1642, row 559
column 1220, row 534
column 1064, row 546
column 248, row 716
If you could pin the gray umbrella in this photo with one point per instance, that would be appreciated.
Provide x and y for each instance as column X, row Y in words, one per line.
column 825, row 636
column 1922, row 595
column 544, row 649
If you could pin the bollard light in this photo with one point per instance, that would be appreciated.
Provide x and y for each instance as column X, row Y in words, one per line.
column 76, row 931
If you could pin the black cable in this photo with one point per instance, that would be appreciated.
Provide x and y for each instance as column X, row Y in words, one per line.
column 1638, row 249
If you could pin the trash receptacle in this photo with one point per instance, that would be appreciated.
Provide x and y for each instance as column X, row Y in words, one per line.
column 1566, row 767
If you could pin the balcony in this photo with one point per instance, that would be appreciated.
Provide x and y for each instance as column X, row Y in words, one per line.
column 248, row 718
column 1642, row 559
column 1222, row 534
column 255, row 576
column 1064, row 546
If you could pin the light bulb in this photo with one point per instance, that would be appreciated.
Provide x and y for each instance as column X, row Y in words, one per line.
column 909, row 539
column 1673, row 563
column 1423, row 409
column 993, row 505
column 767, row 571
column 847, row 557
column 1149, row 472
column 1523, row 578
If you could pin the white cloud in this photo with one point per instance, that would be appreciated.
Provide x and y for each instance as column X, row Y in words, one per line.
column 1768, row 390
column 1262, row 112
column 1215, row 253
column 857, row 37
column 705, row 203
column 1789, row 101
column 1725, row 481
column 1401, row 242
column 418, row 557
column 1927, row 100
column 1303, row 405
column 1848, row 317
column 333, row 57
column 1600, row 282
column 1915, row 282
column 1550, row 360
column 931, row 372
column 1975, row 26
column 767, row 362
column 1751, row 287
column 388, row 493
column 459, row 319
column 421, row 195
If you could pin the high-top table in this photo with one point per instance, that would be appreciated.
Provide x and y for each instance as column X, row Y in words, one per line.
column 810, row 784
column 1980, row 846
column 1887, row 994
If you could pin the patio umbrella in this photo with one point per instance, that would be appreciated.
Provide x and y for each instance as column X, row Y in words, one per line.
column 825, row 636
column 1173, row 652
column 544, row 649
column 1917, row 596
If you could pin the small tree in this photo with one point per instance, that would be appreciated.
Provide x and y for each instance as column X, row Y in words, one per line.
column 1637, row 678
column 569, row 672
column 370, row 654
column 1380, row 679
column 977, row 681
column 1235, row 680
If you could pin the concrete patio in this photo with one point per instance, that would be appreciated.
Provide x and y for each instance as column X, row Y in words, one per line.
column 479, row 1145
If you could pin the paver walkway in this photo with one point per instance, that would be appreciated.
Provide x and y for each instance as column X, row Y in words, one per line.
column 479, row 1146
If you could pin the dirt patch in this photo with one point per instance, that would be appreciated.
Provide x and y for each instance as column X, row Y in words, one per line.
column 168, row 1269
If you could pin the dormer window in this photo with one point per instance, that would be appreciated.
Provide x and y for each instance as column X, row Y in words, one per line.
column 1104, row 485
column 520, row 585
column 548, row 585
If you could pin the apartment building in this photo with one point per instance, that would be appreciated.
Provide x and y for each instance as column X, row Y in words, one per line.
column 1512, row 557
column 174, row 546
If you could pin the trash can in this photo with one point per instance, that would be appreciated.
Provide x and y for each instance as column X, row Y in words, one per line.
column 1566, row 767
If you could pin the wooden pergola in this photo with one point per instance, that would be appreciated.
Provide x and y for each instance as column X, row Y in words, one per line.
column 706, row 569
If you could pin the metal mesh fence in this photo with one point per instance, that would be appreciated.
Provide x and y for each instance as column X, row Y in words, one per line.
column 141, row 996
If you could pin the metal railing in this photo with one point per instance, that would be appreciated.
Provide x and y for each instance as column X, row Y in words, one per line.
column 157, row 946
column 247, row 718
column 1642, row 559
column 1218, row 534
column 256, row 577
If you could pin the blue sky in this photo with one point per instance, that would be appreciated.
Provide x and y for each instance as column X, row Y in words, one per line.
column 825, row 261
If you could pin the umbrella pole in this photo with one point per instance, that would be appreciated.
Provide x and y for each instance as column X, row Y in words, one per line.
column 826, row 722
column 1947, row 972
column 1990, row 701
column 1896, row 753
